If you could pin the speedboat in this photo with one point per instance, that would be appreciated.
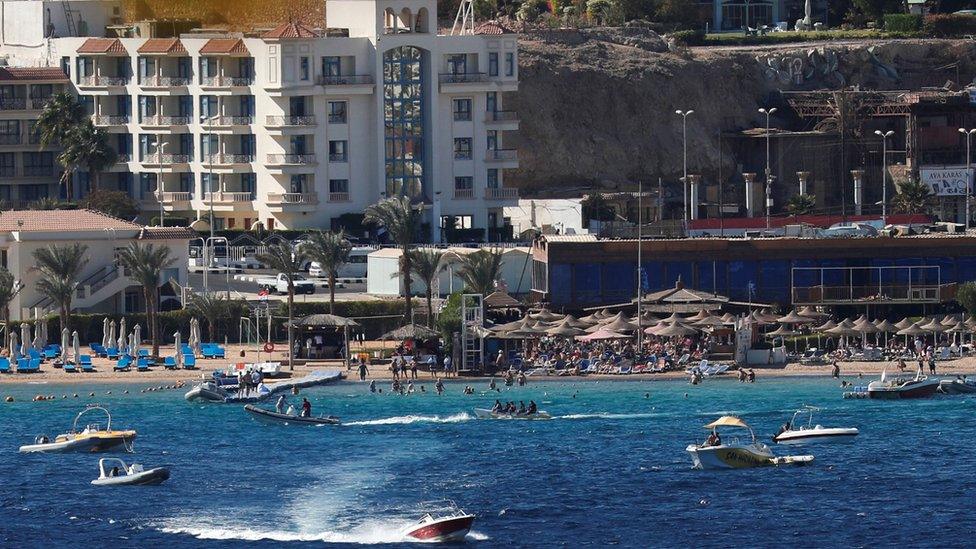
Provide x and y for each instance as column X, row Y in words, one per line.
column 114, row 472
column 716, row 454
column 958, row 386
column 485, row 413
column 93, row 438
column 208, row 391
column 902, row 387
column 270, row 416
column 795, row 432
column 451, row 526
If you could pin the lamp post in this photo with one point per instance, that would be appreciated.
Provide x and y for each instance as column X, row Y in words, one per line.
column 160, row 148
column 969, row 166
column 684, row 163
column 210, row 147
column 769, row 173
column 884, row 174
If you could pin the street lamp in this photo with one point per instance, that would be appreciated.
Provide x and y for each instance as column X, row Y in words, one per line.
column 160, row 149
column 769, row 173
column 210, row 146
column 684, row 148
column 969, row 175
column 884, row 174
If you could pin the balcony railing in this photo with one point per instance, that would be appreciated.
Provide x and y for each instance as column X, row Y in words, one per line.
column 501, row 155
column 293, row 159
column 338, row 197
column 463, row 78
column 225, row 159
column 337, row 119
column 292, row 198
column 166, row 159
column 110, row 119
column 11, row 139
column 463, row 194
column 228, row 197
column 225, row 81
column 13, row 104
column 352, row 80
column 160, row 120
column 171, row 197
column 501, row 116
column 462, row 116
column 164, row 81
column 229, row 121
column 104, row 81
column 285, row 120
column 38, row 171
column 500, row 193
column 338, row 157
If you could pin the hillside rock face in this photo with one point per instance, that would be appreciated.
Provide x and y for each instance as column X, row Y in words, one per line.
column 597, row 107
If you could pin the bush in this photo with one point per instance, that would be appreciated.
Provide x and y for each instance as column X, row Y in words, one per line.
column 966, row 296
column 170, row 221
column 949, row 25
column 902, row 22
column 689, row 37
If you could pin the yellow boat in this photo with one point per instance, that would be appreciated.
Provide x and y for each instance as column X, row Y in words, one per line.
column 717, row 454
column 92, row 438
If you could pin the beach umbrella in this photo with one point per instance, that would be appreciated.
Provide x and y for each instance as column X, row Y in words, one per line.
column 675, row 317
column 123, row 334
column 137, row 338
column 546, row 315
column 904, row 323
column 37, row 336
column 783, row 331
column 608, row 319
column 674, row 329
column 132, row 344
column 970, row 321
column 710, row 321
column 729, row 317
column 25, row 340
column 885, row 327
column 112, row 340
column 179, row 354
column 760, row 319
column 106, row 342
column 564, row 330
column 14, row 349
column 768, row 315
column 933, row 325
column 830, row 324
column 794, row 318
column 591, row 318
column 844, row 330
column 810, row 312
column 76, row 346
column 949, row 320
column 600, row 335
column 65, row 344
column 574, row 322
column 866, row 327
column 508, row 326
column 620, row 325
column 604, row 313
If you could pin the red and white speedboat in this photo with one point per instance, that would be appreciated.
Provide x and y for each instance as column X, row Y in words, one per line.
column 903, row 387
column 452, row 526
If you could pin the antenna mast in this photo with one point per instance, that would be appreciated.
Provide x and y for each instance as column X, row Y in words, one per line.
column 464, row 20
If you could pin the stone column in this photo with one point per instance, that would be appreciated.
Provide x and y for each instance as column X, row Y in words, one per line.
column 695, row 182
column 750, row 194
column 858, row 176
column 803, row 177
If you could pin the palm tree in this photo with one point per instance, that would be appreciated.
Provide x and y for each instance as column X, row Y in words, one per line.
column 427, row 264
column 912, row 197
column 287, row 261
column 60, row 267
column 402, row 221
column 480, row 270
column 144, row 264
column 331, row 251
column 801, row 204
column 212, row 307
column 86, row 146
column 8, row 290
column 61, row 115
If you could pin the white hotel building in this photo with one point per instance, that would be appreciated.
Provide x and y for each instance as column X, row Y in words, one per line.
column 291, row 126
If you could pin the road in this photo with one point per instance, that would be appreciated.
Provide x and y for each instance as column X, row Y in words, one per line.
column 249, row 290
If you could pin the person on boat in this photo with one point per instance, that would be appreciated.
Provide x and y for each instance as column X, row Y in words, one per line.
column 784, row 428
column 521, row 408
column 532, row 408
column 306, row 408
column 280, row 405
column 114, row 472
column 372, row 386
column 713, row 439
column 511, row 407
column 497, row 408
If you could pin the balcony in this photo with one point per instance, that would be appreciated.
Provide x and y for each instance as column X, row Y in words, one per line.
column 338, row 158
column 351, row 84
column 502, row 120
column 502, row 156
column 13, row 104
column 38, row 171
column 501, row 193
column 175, row 200
column 280, row 202
column 164, row 82
column 225, row 81
column 166, row 159
column 11, row 139
column 104, row 81
column 110, row 119
column 227, row 159
column 291, row 159
column 161, row 121
column 286, row 121
column 463, row 194
column 337, row 119
column 229, row 121
column 225, row 197
column 338, row 197
column 463, row 78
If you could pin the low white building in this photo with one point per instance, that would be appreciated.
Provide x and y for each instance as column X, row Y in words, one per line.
column 384, row 279
column 548, row 215
column 103, row 285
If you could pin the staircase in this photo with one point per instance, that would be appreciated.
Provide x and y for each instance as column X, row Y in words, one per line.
column 100, row 286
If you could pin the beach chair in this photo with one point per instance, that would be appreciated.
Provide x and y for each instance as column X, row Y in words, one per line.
column 626, row 367
column 50, row 353
column 944, row 353
column 189, row 362
column 219, row 352
column 34, row 364
column 143, row 353
column 87, row 367
column 123, row 364
column 142, row 364
column 97, row 349
column 169, row 363
column 34, row 353
column 4, row 365
column 186, row 349
column 112, row 353
column 84, row 359
column 69, row 368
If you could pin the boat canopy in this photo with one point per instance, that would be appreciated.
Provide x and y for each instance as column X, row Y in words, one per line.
column 727, row 421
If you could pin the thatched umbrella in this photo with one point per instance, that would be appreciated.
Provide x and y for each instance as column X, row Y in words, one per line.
column 866, row 327
column 38, row 345
column 783, row 331
column 830, row 324
column 602, row 335
column 592, row 318
column 886, row 328
column 546, row 315
column 970, row 321
column 574, row 322
column 904, row 323
column 729, row 317
column 950, row 320
column 622, row 325
column 674, row 329
column 710, row 321
column 810, row 312
column 106, row 342
column 619, row 316
column 845, row 329
column 514, row 325
column 913, row 330
column 959, row 328
column 760, row 319
column 675, row 317
column 701, row 315
column 769, row 315
column 410, row 332
column 793, row 318
column 564, row 330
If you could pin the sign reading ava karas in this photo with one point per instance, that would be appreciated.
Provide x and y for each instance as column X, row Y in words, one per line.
column 951, row 181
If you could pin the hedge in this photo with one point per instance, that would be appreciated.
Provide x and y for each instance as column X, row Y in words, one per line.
column 902, row 22
column 689, row 37
column 949, row 25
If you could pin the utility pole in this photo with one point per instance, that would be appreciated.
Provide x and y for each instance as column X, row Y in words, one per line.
column 684, row 148
column 640, row 270
column 969, row 169
column 769, row 173
column 884, row 174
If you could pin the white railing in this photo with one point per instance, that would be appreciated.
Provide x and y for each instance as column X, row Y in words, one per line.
column 166, row 159
column 500, row 193
column 110, row 119
column 501, row 116
column 284, row 120
column 293, row 198
column 354, row 80
column 171, row 197
column 225, row 196
column 226, row 159
column 225, row 81
column 160, row 120
column 230, row 121
column 501, row 155
column 292, row 159
column 103, row 81
column 164, row 81
column 463, row 194
column 338, row 197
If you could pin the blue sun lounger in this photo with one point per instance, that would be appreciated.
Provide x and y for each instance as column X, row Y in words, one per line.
column 4, row 365
column 123, row 364
column 142, row 364
column 69, row 367
column 189, row 362
column 169, row 362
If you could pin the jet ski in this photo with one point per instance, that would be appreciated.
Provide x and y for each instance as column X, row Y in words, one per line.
column 114, row 472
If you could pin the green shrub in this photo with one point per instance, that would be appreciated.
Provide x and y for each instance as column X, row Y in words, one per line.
column 689, row 37
column 949, row 25
column 902, row 22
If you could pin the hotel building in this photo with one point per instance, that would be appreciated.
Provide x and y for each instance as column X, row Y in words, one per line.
column 289, row 126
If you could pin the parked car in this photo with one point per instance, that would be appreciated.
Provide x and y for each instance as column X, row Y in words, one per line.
column 846, row 230
column 279, row 284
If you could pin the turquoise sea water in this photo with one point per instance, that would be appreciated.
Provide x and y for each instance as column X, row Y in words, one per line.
column 609, row 470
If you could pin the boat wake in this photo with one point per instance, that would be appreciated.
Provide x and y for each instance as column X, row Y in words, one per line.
column 407, row 420
column 364, row 534
column 607, row 415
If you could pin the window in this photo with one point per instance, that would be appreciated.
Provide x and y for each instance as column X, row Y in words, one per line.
column 208, row 107
column 86, row 68
column 7, row 164
column 337, row 112
column 246, row 105
column 209, row 182
column 491, row 102
column 123, row 144
column 208, row 68
column 492, row 63
column 465, row 183
column 298, row 183
column 338, row 185
column 231, row 222
column 208, row 146
column 462, row 148
column 147, row 145
column 245, row 65
column 331, row 66
column 297, row 106
column 304, row 69
column 186, row 144
column 186, row 183
column 40, row 93
column 32, row 192
column 147, row 183
column 403, row 117
column 509, row 64
column 248, row 184
column 147, row 107
column 457, row 63
column 9, row 132
column 248, row 146
column 462, row 109
column 299, row 144
column 337, row 151
column 147, row 68
column 88, row 103
column 185, row 106
column 66, row 66
column 492, row 140
column 183, row 69
column 492, row 180
column 456, row 221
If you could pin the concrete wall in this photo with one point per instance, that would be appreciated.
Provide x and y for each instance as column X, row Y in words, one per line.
column 383, row 268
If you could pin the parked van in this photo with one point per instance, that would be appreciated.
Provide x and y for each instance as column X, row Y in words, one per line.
column 354, row 268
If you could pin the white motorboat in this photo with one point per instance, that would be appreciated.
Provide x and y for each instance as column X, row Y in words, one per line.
column 716, row 454
column 271, row 416
column 958, row 386
column 114, row 472
column 903, row 387
column 207, row 391
column 446, row 527
column 797, row 432
column 93, row 438
column 485, row 413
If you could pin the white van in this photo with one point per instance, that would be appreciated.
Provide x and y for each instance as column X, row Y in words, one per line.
column 354, row 268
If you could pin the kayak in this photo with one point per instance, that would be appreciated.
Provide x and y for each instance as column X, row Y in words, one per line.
column 269, row 416
column 484, row 413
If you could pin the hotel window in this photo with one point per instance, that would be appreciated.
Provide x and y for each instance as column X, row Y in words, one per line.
column 510, row 64
column 246, row 67
column 66, row 66
column 338, row 185
column 248, row 147
column 88, row 103
column 337, row 151
column 331, row 66
column 465, row 183
column 248, row 184
column 186, row 145
column 147, row 183
column 208, row 182
column 208, row 107
column 8, row 164
column 304, row 69
column 9, row 132
column 462, row 148
column 183, row 69
column 147, row 145
column 299, row 144
column 491, row 102
column 33, row 192
column 231, row 222
column 492, row 181
column 147, row 107
column 86, row 67
column 492, row 139
column 186, row 183
column 462, row 109
column 246, row 105
column 5, row 195
column 208, row 146
column 208, row 68
column 337, row 112
column 493, row 63
column 147, row 68
column 298, row 183
column 457, row 63
column 185, row 106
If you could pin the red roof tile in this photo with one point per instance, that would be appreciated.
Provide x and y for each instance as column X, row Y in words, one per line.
column 162, row 46
column 289, row 30
column 104, row 46
column 224, row 46
column 24, row 74
column 61, row 220
column 491, row 27
column 167, row 233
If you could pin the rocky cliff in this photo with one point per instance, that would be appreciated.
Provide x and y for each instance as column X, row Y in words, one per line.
column 597, row 106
